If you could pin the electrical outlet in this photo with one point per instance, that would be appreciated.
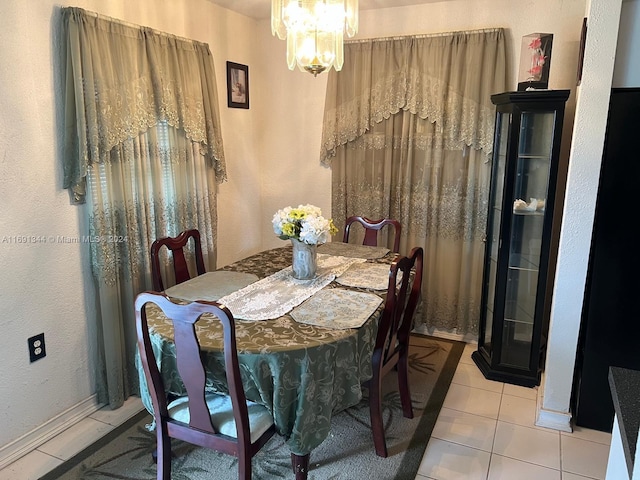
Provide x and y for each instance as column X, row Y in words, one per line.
column 36, row 347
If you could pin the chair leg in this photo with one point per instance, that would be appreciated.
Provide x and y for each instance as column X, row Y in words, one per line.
column 163, row 455
column 244, row 465
column 375, row 412
column 403, row 385
column 300, row 465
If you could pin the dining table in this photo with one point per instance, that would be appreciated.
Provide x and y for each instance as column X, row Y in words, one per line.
column 304, row 347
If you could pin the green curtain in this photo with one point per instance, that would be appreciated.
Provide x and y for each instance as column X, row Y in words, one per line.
column 408, row 132
column 143, row 149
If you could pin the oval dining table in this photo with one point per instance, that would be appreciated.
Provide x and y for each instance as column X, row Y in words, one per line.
column 303, row 373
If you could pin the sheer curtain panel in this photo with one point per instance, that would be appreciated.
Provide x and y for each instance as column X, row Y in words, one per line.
column 143, row 150
column 408, row 132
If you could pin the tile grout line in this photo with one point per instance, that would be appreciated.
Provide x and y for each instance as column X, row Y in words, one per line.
column 495, row 431
column 535, row 464
column 560, row 450
column 47, row 454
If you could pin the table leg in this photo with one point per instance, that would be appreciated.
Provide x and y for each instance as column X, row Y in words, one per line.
column 300, row 464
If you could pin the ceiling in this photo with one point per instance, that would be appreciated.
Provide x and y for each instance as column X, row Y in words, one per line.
column 261, row 9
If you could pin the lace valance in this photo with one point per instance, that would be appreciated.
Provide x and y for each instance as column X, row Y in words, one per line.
column 447, row 79
column 123, row 79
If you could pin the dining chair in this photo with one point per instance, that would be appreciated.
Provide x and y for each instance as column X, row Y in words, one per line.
column 392, row 341
column 371, row 229
column 225, row 423
column 176, row 246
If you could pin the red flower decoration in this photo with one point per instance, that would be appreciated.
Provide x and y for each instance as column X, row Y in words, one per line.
column 535, row 43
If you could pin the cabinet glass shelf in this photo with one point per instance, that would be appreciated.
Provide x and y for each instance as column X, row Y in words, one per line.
column 529, row 263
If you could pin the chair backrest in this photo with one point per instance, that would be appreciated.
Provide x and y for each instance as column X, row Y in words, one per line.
column 400, row 305
column 176, row 246
column 190, row 365
column 372, row 227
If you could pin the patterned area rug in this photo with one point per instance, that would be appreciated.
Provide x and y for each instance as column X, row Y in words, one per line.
column 347, row 453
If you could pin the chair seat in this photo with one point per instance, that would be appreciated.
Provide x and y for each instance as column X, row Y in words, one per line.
column 222, row 415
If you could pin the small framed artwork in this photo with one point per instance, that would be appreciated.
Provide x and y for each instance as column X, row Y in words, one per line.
column 535, row 61
column 237, row 85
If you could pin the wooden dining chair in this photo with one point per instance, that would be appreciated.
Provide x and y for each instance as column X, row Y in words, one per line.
column 392, row 342
column 176, row 246
column 371, row 229
column 225, row 423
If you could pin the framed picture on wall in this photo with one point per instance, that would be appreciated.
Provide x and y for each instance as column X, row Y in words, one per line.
column 583, row 42
column 237, row 85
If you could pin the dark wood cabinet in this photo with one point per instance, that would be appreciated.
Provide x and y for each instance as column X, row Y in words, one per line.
column 515, row 296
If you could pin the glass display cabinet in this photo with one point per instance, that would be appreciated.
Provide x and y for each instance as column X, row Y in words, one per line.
column 516, row 291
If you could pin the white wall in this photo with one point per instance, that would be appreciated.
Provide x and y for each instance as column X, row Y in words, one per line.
column 272, row 154
column 42, row 286
column 289, row 136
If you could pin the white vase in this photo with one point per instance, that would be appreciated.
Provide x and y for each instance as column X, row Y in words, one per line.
column 305, row 260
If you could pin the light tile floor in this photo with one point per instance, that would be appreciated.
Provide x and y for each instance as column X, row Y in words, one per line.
column 485, row 431
column 70, row 442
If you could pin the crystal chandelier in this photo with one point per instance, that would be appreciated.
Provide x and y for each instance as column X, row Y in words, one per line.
column 314, row 30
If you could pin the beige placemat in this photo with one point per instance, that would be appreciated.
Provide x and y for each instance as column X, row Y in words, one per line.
column 211, row 286
column 352, row 250
column 337, row 308
column 374, row 276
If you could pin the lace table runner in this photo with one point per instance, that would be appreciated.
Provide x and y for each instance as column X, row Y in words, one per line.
column 277, row 294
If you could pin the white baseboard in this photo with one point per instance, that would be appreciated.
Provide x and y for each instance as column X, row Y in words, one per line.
column 551, row 418
column 12, row 451
column 555, row 420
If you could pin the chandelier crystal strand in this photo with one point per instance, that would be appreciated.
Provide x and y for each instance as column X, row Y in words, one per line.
column 277, row 26
column 314, row 31
column 351, row 9
column 339, row 60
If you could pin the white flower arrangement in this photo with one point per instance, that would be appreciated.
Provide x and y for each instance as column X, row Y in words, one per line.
column 304, row 223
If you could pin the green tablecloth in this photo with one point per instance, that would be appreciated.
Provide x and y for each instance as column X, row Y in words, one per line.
column 301, row 373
